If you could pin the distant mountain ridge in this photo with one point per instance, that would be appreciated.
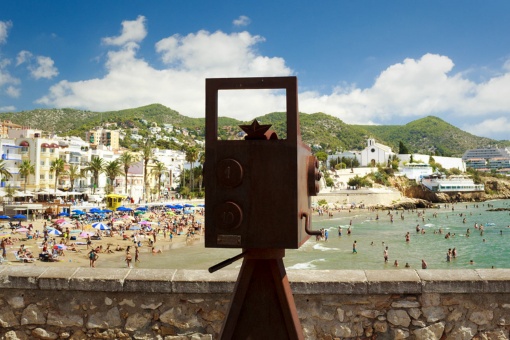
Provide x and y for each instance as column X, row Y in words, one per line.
column 429, row 135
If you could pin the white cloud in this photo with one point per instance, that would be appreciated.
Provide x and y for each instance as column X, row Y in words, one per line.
column 489, row 127
column 44, row 68
column 5, row 76
column 132, row 82
column 7, row 108
column 23, row 57
column 4, row 28
column 243, row 20
column 402, row 92
column 132, row 31
column 13, row 92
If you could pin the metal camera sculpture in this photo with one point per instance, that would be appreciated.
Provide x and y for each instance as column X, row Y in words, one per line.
column 258, row 198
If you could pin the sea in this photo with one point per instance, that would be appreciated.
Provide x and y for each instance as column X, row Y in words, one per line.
column 373, row 231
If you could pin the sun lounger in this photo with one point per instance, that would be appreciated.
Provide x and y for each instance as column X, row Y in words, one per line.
column 23, row 258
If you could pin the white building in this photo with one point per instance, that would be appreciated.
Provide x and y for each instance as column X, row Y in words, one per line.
column 446, row 162
column 416, row 171
column 375, row 153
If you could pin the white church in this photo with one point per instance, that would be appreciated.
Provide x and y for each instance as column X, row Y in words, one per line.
column 375, row 153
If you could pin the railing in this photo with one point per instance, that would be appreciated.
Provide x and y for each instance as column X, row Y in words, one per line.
column 11, row 157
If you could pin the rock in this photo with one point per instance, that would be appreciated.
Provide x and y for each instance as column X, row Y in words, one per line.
column 342, row 330
column 13, row 335
column 494, row 335
column 16, row 302
column 405, row 304
column 212, row 316
column 433, row 314
column 481, row 317
column 7, row 318
column 151, row 306
column 414, row 313
column 381, row 326
column 341, row 314
column 399, row 317
column 137, row 321
column 431, row 332
column 65, row 320
column 399, row 334
column 32, row 315
column 431, row 299
column 464, row 331
column 40, row 333
column 455, row 315
column 418, row 323
column 108, row 301
column 108, row 320
column 370, row 313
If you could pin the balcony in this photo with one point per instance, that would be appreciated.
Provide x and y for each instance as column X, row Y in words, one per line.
column 12, row 184
column 11, row 157
column 13, row 170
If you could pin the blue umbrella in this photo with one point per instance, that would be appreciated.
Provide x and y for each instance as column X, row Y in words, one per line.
column 100, row 226
column 187, row 205
column 178, row 206
column 170, row 206
column 141, row 208
column 95, row 210
column 63, row 214
column 78, row 212
column 123, row 208
column 54, row 232
column 4, row 217
column 106, row 210
column 19, row 217
column 201, row 205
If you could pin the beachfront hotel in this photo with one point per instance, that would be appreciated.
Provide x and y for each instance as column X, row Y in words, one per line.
column 19, row 144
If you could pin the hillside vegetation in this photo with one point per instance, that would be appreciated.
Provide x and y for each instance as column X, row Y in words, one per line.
column 429, row 135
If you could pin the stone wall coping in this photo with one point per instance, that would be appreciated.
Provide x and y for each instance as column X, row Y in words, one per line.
column 405, row 281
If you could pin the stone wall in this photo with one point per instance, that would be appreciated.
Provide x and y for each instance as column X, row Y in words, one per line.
column 101, row 303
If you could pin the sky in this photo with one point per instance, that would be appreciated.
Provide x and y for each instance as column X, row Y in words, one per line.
column 365, row 62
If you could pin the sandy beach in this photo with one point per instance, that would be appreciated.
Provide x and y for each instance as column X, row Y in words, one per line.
column 79, row 257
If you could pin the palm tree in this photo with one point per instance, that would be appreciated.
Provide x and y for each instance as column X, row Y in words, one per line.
column 4, row 173
column 26, row 168
column 147, row 155
column 113, row 169
column 191, row 157
column 126, row 160
column 96, row 167
column 157, row 171
column 74, row 173
column 58, row 167
column 9, row 192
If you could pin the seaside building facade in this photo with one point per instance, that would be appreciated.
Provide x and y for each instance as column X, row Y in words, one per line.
column 488, row 159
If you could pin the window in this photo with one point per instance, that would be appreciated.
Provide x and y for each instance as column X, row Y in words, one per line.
column 42, row 163
column 24, row 149
column 43, row 177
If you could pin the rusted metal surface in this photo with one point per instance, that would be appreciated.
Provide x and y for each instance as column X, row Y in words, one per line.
column 258, row 198
column 257, row 189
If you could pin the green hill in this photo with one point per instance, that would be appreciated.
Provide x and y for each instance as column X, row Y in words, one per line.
column 319, row 130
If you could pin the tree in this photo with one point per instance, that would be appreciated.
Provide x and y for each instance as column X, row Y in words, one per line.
column 4, row 173
column 96, row 167
column 9, row 192
column 147, row 155
column 26, row 168
column 157, row 171
column 402, row 149
column 57, row 166
column 126, row 160
column 74, row 173
column 191, row 157
column 113, row 169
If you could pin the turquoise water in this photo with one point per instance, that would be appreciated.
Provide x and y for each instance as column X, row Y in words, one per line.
column 336, row 253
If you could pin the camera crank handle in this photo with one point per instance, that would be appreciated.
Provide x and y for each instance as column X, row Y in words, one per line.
column 225, row 263
column 307, row 226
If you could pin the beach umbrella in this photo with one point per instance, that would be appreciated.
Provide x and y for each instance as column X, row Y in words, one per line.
column 95, row 210
column 19, row 217
column 134, row 227
column 54, row 232
column 86, row 234
column 188, row 205
column 100, row 226
column 171, row 213
column 201, row 205
column 123, row 208
column 178, row 206
column 63, row 214
column 78, row 212
column 143, row 223
column 60, row 221
column 141, row 209
column 4, row 217
column 170, row 206
column 139, row 213
column 107, row 211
